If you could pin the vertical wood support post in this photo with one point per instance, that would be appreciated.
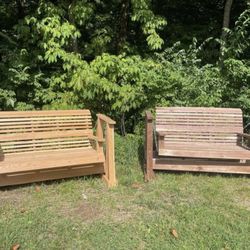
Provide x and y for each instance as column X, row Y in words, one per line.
column 99, row 135
column 110, row 156
column 149, row 174
column 109, row 167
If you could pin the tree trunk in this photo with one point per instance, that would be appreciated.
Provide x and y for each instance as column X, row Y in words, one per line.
column 123, row 128
column 20, row 9
column 74, row 45
column 122, row 26
column 226, row 17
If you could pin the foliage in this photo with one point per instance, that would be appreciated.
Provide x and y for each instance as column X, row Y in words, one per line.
column 102, row 55
column 150, row 22
column 238, row 39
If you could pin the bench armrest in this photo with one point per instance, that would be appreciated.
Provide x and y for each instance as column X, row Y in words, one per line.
column 106, row 119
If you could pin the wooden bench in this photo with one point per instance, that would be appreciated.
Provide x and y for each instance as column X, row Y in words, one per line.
column 196, row 139
column 44, row 145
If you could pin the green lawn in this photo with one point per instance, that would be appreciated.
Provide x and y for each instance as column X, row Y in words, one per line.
column 208, row 212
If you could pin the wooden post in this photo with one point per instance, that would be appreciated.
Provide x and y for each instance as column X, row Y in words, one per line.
column 149, row 147
column 99, row 135
column 110, row 156
column 110, row 175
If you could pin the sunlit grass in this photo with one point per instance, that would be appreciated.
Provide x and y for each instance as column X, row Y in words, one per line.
column 208, row 212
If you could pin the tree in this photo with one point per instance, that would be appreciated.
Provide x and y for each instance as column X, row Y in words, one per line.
column 226, row 17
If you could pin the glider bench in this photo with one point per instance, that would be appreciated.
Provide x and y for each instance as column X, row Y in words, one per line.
column 45, row 145
column 196, row 139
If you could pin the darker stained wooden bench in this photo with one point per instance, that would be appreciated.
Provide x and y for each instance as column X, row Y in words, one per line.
column 45, row 145
column 196, row 139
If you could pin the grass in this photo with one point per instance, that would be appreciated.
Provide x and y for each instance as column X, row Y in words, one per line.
column 207, row 211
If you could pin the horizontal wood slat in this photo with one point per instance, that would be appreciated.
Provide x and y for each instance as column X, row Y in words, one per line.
column 197, row 128
column 202, row 146
column 213, row 153
column 41, row 113
column 52, row 174
column 199, row 110
column 44, row 135
column 201, row 166
column 41, row 130
column 36, row 149
column 51, row 123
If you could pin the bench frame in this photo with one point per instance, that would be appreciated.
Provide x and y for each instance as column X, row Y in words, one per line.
column 153, row 161
column 106, row 162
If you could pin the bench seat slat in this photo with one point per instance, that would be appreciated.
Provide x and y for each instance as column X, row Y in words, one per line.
column 215, row 153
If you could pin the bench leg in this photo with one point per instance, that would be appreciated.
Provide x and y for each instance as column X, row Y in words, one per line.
column 110, row 175
column 149, row 173
column 109, row 166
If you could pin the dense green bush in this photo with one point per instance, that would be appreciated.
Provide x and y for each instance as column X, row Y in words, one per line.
column 102, row 56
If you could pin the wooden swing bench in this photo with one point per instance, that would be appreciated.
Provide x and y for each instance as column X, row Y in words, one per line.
column 45, row 145
column 197, row 139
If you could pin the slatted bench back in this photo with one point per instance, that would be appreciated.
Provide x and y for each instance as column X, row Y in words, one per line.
column 189, row 126
column 31, row 131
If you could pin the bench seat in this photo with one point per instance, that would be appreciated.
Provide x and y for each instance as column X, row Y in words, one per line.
column 209, row 151
column 18, row 163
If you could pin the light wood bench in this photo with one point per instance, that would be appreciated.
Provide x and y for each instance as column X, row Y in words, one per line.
column 45, row 145
column 197, row 139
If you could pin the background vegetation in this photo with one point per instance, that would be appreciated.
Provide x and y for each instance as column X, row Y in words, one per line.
column 124, row 56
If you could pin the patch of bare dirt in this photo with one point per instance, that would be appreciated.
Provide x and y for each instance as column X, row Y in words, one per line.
column 86, row 211
column 11, row 196
column 243, row 202
column 125, row 213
